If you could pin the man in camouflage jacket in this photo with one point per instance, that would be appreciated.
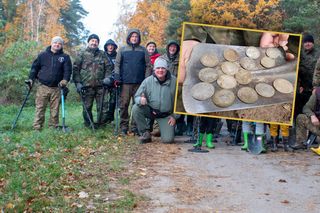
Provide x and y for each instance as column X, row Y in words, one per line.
column 89, row 69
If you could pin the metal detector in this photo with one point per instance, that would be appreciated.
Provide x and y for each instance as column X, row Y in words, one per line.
column 116, row 129
column 63, row 91
column 23, row 104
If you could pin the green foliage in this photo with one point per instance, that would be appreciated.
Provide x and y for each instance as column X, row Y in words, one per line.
column 15, row 64
column 179, row 10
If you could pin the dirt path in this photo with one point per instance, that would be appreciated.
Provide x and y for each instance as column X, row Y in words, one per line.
column 226, row 180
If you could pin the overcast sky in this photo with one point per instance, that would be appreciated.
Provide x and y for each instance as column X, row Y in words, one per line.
column 102, row 15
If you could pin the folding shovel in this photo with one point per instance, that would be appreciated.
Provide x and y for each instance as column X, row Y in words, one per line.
column 62, row 92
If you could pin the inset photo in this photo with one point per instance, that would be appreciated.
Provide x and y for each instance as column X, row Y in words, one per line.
column 237, row 73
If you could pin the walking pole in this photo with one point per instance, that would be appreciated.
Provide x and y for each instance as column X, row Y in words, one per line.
column 23, row 104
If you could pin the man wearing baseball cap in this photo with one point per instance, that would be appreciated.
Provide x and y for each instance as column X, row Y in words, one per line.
column 91, row 66
column 155, row 100
column 52, row 68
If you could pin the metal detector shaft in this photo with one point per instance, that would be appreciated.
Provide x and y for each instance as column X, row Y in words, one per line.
column 116, row 131
column 63, row 112
column 23, row 104
column 86, row 110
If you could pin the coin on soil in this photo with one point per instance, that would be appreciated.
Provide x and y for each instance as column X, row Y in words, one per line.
column 247, row 95
column 283, row 85
column 227, row 82
column 265, row 90
column 273, row 52
column 243, row 76
column 253, row 52
column 209, row 60
column 268, row 62
column 208, row 75
column 229, row 68
column 248, row 63
column 202, row 91
column 230, row 55
column 223, row 98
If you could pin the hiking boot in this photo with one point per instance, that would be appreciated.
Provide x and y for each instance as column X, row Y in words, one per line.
column 286, row 145
column 274, row 146
column 297, row 146
column 124, row 132
column 199, row 142
column 145, row 137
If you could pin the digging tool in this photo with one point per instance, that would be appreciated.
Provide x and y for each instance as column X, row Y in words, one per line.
column 23, row 104
column 255, row 145
column 85, row 108
column 116, row 129
column 63, row 91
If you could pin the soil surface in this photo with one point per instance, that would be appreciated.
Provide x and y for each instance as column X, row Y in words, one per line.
column 226, row 179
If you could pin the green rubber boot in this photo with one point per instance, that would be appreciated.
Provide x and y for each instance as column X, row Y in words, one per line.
column 209, row 141
column 199, row 142
column 245, row 138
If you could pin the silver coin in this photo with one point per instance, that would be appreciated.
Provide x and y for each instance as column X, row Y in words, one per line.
column 223, row 98
column 243, row 76
column 230, row 55
column 247, row 95
column 265, row 90
column 208, row 75
column 283, row 85
column 253, row 52
column 248, row 63
column 229, row 68
column 202, row 91
column 209, row 60
column 268, row 62
column 273, row 52
column 227, row 82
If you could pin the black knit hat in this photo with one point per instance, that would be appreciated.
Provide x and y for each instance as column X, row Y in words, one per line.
column 308, row 38
column 93, row 36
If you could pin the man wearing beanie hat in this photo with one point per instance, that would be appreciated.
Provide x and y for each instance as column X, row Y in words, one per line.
column 155, row 100
column 308, row 59
column 53, row 69
column 91, row 66
column 131, row 67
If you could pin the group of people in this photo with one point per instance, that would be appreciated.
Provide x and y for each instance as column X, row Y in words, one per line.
column 147, row 79
column 144, row 78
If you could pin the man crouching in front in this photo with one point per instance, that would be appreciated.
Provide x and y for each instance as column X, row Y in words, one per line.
column 155, row 99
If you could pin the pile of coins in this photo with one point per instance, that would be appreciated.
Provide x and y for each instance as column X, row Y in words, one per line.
column 234, row 71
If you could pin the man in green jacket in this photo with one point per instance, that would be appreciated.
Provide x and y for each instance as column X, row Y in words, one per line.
column 89, row 69
column 155, row 99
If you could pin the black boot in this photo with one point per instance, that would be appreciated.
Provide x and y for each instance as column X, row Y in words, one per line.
column 286, row 145
column 274, row 146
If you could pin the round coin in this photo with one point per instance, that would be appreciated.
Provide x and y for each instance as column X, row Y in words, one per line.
column 248, row 63
column 243, row 76
column 253, row 52
column 230, row 55
column 229, row 68
column 227, row 82
column 265, row 90
column 247, row 95
column 202, row 91
column 273, row 52
column 208, row 75
column 283, row 85
column 223, row 98
column 209, row 60
column 268, row 62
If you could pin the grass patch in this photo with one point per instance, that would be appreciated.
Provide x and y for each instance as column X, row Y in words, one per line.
column 45, row 171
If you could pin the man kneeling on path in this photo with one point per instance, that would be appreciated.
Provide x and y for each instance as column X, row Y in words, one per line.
column 309, row 120
column 155, row 99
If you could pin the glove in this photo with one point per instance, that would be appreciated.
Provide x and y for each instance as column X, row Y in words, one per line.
column 108, row 82
column 79, row 87
column 117, row 83
column 63, row 83
column 29, row 82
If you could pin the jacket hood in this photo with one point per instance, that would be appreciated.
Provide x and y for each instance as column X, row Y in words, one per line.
column 110, row 41
column 130, row 31
column 167, row 48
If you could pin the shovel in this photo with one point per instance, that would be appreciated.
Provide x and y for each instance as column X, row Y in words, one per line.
column 23, row 104
column 255, row 145
column 63, row 127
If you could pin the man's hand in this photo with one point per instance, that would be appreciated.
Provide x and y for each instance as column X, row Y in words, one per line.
column 315, row 120
column 187, row 47
column 172, row 121
column 29, row 82
column 143, row 100
column 63, row 83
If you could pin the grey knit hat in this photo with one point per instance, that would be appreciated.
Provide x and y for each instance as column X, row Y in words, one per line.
column 57, row 39
column 160, row 62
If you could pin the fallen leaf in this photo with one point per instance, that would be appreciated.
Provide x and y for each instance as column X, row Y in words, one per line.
column 282, row 181
column 9, row 206
column 83, row 194
column 285, row 202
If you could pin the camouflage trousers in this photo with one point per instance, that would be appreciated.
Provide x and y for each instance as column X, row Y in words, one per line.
column 304, row 125
column 44, row 96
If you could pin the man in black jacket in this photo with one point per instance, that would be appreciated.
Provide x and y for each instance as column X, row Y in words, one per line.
column 53, row 69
